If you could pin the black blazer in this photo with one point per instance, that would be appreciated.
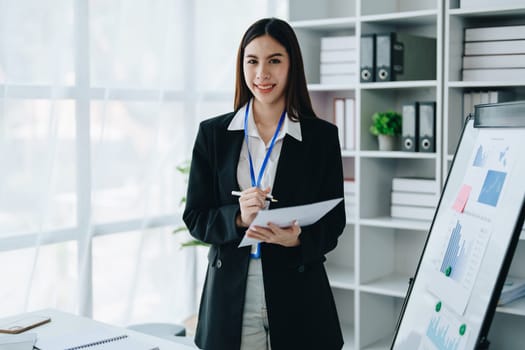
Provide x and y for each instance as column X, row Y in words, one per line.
column 301, row 308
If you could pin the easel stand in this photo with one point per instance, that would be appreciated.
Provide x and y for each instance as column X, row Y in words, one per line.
column 483, row 344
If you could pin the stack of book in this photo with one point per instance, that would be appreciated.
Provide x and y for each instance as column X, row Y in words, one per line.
column 514, row 288
column 472, row 98
column 338, row 60
column 349, row 190
column 494, row 53
column 414, row 198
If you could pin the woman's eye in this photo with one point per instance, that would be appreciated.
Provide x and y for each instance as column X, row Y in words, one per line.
column 251, row 61
column 275, row 61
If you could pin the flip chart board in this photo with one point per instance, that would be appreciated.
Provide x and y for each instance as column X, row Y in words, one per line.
column 476, row 227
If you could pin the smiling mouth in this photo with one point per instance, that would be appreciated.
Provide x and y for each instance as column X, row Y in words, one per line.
column 265, row 88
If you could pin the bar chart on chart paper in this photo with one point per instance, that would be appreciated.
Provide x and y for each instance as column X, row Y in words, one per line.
column 481, row 157
column 455, row 259
column 439, row 335
column 495, row 158
column 445, row 333
column 458, row 263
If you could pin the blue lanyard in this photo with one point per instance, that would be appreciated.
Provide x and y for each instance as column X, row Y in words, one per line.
column 267, row 156
column 256, row 254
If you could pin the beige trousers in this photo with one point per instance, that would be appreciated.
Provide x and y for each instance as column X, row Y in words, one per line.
column 255, row 332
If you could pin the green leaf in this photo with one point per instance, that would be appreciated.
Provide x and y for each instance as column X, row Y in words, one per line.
column 184, row 167
column 180, row 229
column 386, row 123
column 194, row 243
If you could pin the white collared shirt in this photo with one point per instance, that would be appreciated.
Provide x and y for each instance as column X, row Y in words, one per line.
column 258, row 149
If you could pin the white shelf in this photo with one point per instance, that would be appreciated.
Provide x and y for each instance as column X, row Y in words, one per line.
column 411, row 18
column 331, row 87
column 348, row 336
column 381, row 344
column 341, row 276
column 348, row 153
column 389, row 222
column 397, row 154
column 325, row 23
column 517, row 307
column 468, row 84
column 488, row 11
column 398, row 84
column 395, row 285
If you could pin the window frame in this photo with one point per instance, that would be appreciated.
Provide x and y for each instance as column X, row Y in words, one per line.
column 82, row 94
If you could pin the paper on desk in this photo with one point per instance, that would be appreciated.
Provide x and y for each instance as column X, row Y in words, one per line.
column 98, row 338
column 23, row 341
column 285, row 217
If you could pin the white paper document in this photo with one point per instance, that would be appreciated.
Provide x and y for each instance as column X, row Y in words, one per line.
column 96, row 338
column 285, row 217
column 24, row 341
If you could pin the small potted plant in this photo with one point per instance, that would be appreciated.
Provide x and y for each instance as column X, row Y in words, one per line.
column 184, row 169
column 387, row 127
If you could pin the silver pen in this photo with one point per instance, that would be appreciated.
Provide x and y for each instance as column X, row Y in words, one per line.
column 268, row 196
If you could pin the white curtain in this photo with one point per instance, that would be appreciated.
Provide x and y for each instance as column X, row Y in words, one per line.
column 99, row 102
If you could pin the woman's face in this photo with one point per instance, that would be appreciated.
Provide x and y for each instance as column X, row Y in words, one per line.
column 266, row 65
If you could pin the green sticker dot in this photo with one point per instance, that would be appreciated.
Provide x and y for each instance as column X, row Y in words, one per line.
column 462, row 329
column 448, row 271
column 438, row 306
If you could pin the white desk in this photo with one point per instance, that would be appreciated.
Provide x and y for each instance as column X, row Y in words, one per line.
column 64, row 323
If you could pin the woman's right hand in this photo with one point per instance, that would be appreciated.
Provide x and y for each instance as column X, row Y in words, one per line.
column 251, row 201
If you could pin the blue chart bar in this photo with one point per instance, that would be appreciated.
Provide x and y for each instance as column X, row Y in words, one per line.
column 439, row 335
column 492, row 187
column 481, row 158
column 454, row 254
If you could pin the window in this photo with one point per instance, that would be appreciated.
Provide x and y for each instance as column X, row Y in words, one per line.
column 99, row 102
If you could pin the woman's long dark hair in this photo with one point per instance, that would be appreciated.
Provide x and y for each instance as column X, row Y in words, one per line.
column 298, row 104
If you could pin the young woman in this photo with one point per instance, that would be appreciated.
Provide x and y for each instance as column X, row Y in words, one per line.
column 274, row 295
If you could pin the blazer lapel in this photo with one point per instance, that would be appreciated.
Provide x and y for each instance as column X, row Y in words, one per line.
column 290, row 171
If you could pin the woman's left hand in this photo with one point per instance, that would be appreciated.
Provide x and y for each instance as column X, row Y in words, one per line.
column 287, row 237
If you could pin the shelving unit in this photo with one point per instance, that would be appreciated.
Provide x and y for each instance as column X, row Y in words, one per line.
column 377, row 254
column 507, row 328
